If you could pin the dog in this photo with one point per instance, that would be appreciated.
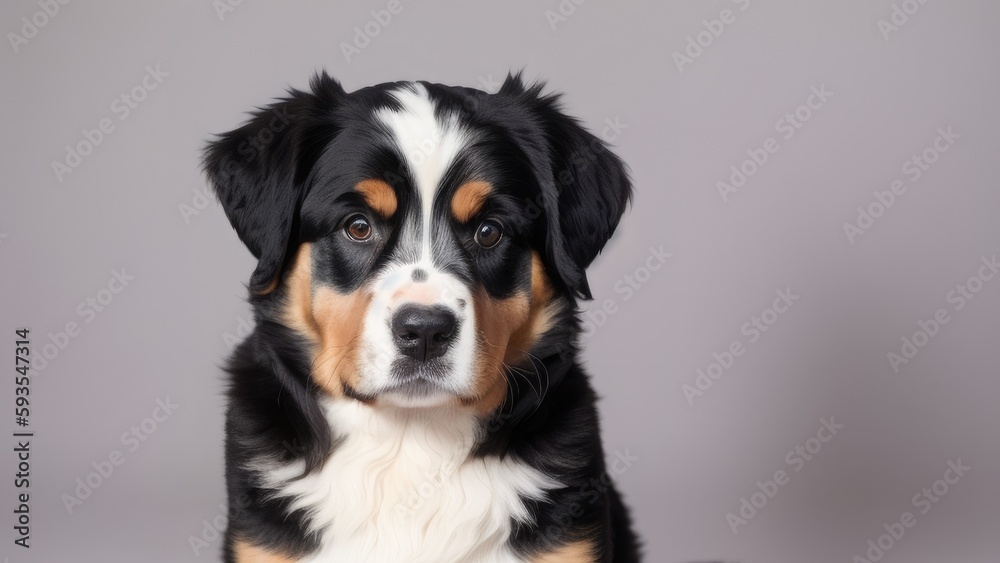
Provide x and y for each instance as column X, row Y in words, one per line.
column 412, row 390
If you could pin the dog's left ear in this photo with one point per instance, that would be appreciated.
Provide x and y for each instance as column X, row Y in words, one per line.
column 260, row 173
column 585, row 188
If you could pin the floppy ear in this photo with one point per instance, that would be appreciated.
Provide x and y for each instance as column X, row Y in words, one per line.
column 259, row 172
column 585, row 188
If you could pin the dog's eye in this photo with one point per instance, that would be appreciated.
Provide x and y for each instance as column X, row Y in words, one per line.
column 358, row 228
column 489, row 233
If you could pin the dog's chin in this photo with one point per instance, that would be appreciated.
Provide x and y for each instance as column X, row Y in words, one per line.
column 418, row 385
column 417, row 393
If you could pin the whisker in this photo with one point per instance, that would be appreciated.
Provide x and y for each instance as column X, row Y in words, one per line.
column 543, row 387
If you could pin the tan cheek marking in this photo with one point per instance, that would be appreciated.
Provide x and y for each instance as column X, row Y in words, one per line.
column 332, row 321
column 340, row 318
column 379, row 196
column 579, row 552
column 246, row 553
column 298, row 299
column 507, row 330
column 496, row 321
column 539, row 317
column 469, row 199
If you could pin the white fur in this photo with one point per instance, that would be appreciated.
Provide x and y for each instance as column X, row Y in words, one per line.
column 429, row 146
column 391, row 290
column 402, row 487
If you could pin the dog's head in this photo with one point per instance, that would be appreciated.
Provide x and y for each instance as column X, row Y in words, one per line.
column 422, row 238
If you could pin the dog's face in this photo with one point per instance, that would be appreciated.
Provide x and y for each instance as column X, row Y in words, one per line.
column 419, row 267
column 422, row 238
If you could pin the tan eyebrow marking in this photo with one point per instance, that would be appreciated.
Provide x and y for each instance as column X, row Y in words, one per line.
column 469, row 199
column 379, row 196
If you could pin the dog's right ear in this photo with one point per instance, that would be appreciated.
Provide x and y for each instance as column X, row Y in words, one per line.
column 259, row 172
column 585, row 188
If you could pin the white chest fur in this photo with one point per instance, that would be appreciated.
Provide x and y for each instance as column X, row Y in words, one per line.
column 402, row 487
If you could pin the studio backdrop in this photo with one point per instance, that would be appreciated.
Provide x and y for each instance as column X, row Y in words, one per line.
column 794, row 331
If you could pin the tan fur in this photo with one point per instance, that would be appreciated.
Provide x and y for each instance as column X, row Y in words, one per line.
column 379, row 196
column 246, row 553
column 539, row 317
column 331, row 320
column 578, row 552
column 469, row 199
column 507, row 328
column 270, row 286
column 496, row 322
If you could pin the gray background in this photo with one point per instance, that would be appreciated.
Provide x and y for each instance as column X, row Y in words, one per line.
column 167, row 332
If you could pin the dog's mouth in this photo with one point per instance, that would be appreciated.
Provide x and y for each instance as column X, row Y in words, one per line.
column 417, row 387
column 406, row 370
column 413, row 384
column 418, row 381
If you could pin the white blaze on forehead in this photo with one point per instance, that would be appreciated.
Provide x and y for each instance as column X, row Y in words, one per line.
column 429, row 145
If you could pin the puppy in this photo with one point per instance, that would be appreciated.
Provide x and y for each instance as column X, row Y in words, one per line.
column 412, row 390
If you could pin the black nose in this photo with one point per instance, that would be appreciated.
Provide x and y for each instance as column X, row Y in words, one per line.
column 423, row 333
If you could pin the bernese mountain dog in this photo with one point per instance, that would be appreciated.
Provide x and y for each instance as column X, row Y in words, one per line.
column 412, row 390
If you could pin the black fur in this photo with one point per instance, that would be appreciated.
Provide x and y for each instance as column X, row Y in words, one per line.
column 284, row 179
